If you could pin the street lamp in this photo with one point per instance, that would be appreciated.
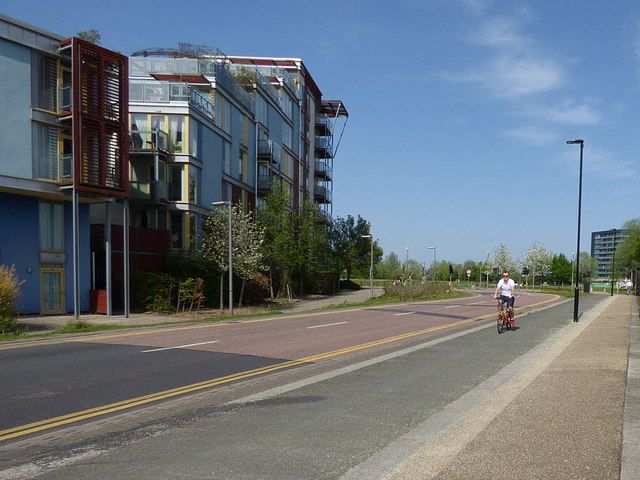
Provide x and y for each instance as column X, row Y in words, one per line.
column 371, row 267
column 220, row 204
column 577, row 288
column 487, row 270
column 435, row 265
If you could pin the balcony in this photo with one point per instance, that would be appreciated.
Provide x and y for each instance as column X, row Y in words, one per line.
column 150, row 192
column 322, row 194
column 323, row 170
column 323, row 148
column 269, row 150
column 322, row 126
column 265, row 182
column 148, row 141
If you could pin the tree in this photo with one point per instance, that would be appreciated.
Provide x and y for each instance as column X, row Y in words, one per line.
column 560, row 268
column 280, row 247
column 352, row 252
column 628, row 252
column 91, row 36
column 502, row 260
column 246, row 240
column 390, row 267
column 588, row 266
column 537, row 259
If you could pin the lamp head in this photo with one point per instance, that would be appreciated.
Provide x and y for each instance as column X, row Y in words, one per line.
column 574, row 142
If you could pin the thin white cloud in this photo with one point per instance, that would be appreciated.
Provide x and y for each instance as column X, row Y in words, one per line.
column 534, row 136
column 602, row 164
column 515, row 67
column 566, row 112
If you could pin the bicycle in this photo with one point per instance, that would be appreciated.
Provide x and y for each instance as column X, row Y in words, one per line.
column 505, row 318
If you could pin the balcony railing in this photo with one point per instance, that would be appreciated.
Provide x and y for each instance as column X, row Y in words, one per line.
column 322, row 194
column 269, row 150
column 265, row 182
column 148, row 140
column 323, row 148
column 153, row 191
column 64, row 99
column 66, row 167
column 202, row 104
column 323, row 169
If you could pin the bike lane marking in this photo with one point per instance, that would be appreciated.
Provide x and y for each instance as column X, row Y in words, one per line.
column 178, row 346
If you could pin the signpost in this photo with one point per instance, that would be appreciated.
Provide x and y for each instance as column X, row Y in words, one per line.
column 468, row 275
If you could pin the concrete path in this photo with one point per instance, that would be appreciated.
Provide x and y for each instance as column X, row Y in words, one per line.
column 572, row 413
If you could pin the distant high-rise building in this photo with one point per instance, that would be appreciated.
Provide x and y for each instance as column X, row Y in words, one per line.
column 603, row 246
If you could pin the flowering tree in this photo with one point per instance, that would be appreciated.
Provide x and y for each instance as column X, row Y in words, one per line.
column 246, row 241
column 537, row 259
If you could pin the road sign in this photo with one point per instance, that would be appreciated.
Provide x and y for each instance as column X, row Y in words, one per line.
column 468, row 272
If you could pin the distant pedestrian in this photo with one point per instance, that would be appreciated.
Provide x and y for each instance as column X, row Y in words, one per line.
column 629, row 287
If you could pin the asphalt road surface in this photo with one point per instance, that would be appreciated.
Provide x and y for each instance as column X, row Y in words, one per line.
column 301, row 397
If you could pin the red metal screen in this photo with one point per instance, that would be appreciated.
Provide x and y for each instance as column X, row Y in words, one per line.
column 100, row 106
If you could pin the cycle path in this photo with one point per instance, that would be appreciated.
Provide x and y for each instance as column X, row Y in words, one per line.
column 572, row 413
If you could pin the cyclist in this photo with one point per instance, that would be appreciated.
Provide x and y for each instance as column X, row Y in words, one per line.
column 506, row 289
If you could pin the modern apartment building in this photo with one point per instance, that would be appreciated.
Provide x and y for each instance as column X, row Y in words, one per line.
column 64, row 147
column 603, row 247
column 206, row 127
column 292, row 117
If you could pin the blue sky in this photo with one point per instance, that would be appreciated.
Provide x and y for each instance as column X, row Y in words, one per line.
column 459, row 109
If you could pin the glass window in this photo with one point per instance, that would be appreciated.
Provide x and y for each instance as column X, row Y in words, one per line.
column 44, row 82
column 226, row 155
column 176, row 129
column 193, row 137
column 176, row 229
column 193, row 184
column 175, row 183
column 51, row 226
column 45, row 152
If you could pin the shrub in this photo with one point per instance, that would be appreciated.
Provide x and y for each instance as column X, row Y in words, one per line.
column 9, row 291
column 415, row 292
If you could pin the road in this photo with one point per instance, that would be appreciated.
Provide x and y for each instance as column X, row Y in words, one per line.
column 304, row 396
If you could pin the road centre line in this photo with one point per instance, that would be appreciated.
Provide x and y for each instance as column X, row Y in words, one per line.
column 477, row 303
column 154, row 397
column 179, row 346
column 452, row 306
column 405, row 313
column 328, row 325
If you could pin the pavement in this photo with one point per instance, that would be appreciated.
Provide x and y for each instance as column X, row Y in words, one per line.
column 572, row 411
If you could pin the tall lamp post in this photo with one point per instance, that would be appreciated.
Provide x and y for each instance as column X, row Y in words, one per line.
column 220, row 204
column 613, row 265
column 371, row 267
column 577, row 288
column 435, row 264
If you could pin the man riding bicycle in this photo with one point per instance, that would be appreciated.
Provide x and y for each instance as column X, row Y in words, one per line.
column 507, row 289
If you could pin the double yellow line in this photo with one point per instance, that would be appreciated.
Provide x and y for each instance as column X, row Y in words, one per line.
column 154, row 397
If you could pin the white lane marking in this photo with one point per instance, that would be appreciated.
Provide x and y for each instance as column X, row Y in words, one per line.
column 405, row 313
column 477, row 303
column 452, row 306
column 328, row 325
column 179, row 346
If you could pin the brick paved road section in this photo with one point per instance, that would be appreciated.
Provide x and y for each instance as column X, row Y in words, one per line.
column 564, row 421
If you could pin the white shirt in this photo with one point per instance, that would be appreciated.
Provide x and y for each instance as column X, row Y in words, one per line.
column 505, row 287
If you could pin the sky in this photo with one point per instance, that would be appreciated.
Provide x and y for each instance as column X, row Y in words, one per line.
column 459, row 110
